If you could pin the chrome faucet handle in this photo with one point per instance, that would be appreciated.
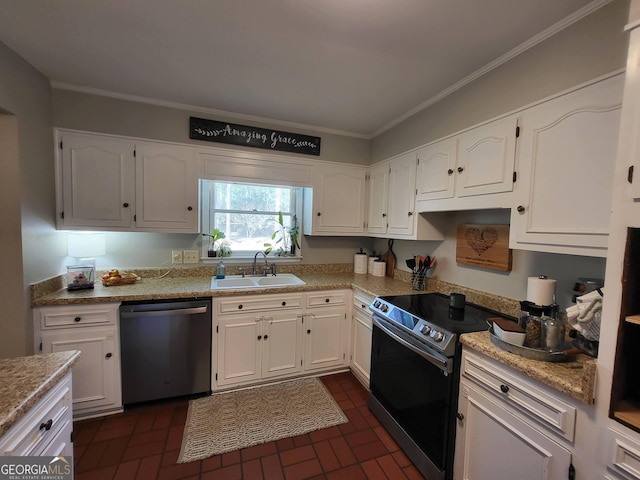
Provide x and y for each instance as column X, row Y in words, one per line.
column 273, row 269
column 241, row 271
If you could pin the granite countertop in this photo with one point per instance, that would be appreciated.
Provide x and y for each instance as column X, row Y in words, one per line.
column 25, row 380
column 199, row 286
column 574, row 378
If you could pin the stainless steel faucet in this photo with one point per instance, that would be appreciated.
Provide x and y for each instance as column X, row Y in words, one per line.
column 254, row 269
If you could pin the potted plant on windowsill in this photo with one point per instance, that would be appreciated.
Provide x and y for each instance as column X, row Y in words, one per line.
column 216, row 249
column 287, row 238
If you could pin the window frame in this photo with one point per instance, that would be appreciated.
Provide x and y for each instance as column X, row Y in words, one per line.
column 241, row 256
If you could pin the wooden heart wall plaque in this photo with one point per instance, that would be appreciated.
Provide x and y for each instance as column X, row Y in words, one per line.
column 485, row 246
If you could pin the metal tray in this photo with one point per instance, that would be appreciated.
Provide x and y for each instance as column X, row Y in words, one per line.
column 533, row 353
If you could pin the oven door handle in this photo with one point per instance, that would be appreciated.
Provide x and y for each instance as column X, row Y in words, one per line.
column 444, row 365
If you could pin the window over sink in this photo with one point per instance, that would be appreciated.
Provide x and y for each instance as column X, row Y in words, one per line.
column 252, row 217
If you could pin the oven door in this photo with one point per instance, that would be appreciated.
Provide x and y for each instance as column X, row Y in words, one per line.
column 416, row 388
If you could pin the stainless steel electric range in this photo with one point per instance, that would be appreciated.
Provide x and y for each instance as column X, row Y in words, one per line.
column 415, row 374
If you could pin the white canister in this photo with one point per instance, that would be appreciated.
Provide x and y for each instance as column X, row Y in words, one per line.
column 372, row 259
column 360, row 262
column 379, row 268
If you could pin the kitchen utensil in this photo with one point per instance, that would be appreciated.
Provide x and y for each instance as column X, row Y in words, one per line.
column 390, row 259
column 411, row 263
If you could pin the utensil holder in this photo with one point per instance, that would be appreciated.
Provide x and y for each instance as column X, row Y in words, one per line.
column 417, row 280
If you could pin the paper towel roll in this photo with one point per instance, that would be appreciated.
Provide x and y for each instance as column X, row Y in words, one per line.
column 541, row 290
column 360, row 263
column 379, row 268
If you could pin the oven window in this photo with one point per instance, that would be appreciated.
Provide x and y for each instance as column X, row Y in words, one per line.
column 415, row 392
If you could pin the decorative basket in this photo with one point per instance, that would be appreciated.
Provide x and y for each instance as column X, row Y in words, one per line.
column 124, row 279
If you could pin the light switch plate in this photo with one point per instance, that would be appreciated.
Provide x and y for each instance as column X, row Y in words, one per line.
column 191, row 256
column 176, row 256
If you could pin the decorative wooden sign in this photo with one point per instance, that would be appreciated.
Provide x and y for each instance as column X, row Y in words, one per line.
column 231, row 133
column 484, row 246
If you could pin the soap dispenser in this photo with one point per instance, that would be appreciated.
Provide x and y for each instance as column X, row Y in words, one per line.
column 220, row 270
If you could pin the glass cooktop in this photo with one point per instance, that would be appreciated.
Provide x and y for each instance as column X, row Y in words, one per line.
column 434, row 308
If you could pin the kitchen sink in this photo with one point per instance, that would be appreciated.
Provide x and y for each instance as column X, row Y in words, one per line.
column 238, row 281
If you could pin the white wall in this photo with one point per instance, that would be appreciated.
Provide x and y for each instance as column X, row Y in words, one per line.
column 30, row 247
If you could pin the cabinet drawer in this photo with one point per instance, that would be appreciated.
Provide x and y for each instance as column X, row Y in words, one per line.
column 257, row 303
column 52, row 317
column 326, row 299
column 546, row 409
column 361, row 301
column 40, row 425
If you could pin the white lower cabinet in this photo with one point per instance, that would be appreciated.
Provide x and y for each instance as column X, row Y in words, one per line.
column 275, row 336
column 252, row 347
column 362, row 328
column 510, row 427
column 324, row 338
column 623, row 454
column 44, row 430
column 93, row 330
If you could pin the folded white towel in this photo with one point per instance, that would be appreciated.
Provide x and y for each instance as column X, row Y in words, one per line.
column 585, row 316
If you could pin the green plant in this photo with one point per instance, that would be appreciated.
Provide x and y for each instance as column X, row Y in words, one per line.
column 215, row 236
column 293, row 231
column 280, row 237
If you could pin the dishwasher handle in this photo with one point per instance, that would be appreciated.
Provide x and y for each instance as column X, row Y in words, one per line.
column 157, row 313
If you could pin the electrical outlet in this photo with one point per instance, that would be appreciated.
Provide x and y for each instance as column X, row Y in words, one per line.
column 176, row 256
column 191, row 256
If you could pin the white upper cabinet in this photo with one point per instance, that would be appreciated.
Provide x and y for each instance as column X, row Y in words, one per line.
column 110, row 183
column 392, row 202
column 436, row 168
column 166, row 188
column 336, row 204
column 402, row 196
column 95, row 176
column 378, row 199
column 567, row 153
column 475, row 163
column 486, row 157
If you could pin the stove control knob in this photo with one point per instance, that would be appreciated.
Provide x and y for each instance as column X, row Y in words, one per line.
column 384, row 308
column 376, row 304
column 437, row 336
column 425, row 329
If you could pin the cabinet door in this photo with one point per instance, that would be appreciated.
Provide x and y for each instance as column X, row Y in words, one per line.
column 239, row 347
column 567, row 154
column 378, row 198
column 282, row 344
column 96, row 182
column 486, row 157
column 339, row 195
column 166, row 188
column 436, row 170
column 324, row 338
column 515, row 449
column 361, row 346
column 402, row 195
column 96, row 376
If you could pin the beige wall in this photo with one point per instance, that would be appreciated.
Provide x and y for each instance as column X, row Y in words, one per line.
column 30, row 247
column 592, row 47
column 82, row 111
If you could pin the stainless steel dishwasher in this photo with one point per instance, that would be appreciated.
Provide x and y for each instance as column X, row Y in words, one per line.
column 165, row 349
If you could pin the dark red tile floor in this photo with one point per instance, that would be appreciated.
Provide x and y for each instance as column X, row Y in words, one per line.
column 144, row 442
